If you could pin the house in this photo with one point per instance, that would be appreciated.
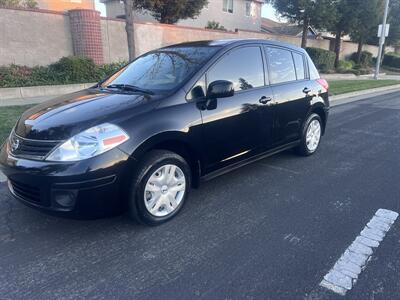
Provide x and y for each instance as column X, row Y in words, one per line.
column 63, row 5
column 273, row 27
column 232, row 14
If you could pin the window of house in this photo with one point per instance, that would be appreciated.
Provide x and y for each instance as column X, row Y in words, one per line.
column 281, row 65
column 227, row 6
column 248, row 8
column 299, row 65
column 243, row 67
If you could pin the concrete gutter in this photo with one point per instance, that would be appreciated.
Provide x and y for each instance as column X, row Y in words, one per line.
column 335, row 100
column 37, row 94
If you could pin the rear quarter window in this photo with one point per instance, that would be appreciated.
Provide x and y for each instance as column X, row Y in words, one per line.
column 299, row 65
column 314, row 74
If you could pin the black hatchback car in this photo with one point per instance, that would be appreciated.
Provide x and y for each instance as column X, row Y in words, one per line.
column 174, row 116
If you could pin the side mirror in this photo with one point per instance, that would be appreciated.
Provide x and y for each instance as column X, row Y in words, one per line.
column 220, row 89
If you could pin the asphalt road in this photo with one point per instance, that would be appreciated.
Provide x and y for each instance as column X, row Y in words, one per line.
column 270, row 230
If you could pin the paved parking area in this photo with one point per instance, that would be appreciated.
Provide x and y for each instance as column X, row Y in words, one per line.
column 271, row 230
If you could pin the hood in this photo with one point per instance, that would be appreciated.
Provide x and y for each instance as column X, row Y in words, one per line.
column 65, row 116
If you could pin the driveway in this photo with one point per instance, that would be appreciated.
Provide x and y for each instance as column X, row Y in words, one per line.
column 270, row 230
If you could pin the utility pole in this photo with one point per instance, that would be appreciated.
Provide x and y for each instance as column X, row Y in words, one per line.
column 382, row 41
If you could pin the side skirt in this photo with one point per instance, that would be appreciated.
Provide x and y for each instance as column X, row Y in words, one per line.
column 247, row 161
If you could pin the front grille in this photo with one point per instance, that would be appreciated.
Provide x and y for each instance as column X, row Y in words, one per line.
column 34, row 149
column 25, row 191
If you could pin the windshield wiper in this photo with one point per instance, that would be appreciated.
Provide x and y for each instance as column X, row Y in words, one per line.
column 129, row 87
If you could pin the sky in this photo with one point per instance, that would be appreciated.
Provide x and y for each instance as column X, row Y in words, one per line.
column 267, row 10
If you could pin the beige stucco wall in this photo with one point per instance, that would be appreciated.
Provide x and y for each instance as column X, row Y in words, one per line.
column 40, row 38
column 32, row 38
column 115, row 46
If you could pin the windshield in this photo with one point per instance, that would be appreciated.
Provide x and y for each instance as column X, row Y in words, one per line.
column 162, row 70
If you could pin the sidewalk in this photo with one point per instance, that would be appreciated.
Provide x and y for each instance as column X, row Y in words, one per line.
column 37, row 94
column 337, row 76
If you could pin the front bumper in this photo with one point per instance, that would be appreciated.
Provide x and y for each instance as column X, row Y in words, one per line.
column 90, row 188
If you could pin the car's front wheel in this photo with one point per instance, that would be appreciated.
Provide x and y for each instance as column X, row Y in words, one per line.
column 311, row 135
column 160, row 187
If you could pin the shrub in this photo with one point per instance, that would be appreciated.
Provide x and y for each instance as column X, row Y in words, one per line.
column 366, row 58
column 66, row 71
column 74, row 69
column 109, row 69
column 392, row 60
column 324, row 60
column 215, row 26
column 346, row 64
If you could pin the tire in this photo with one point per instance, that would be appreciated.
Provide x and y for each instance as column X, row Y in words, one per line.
column 154, row 180
column 307, row 146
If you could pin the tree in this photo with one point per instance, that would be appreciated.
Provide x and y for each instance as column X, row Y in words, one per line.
column 345, row 12
column 18, row 3
column 316, row 13
column 171, row 11
column 394, row 20
column 366, row 21
column 165, row 11
column 129, row 28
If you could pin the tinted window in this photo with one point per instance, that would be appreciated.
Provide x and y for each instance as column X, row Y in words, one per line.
column 313, row 70
column 281, row 65
column 199, row 89
column 243, row 67
column 299, row 65
column 164, row 69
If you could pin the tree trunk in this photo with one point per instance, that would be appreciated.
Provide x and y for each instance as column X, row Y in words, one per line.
column 306, row 24
column 359, row 50
column 338, row 46
column 130, row 34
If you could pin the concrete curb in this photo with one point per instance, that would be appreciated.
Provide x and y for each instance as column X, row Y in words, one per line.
column 355, row 96
column 37, row 94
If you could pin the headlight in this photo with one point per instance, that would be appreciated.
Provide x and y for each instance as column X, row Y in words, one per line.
column 89, row 143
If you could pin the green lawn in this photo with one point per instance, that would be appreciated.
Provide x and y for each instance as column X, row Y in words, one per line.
column 8, row 116
column 337, row 87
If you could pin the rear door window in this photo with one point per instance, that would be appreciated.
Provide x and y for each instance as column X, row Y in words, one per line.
column 299, row 66
column 242, row 66
column 281, row 65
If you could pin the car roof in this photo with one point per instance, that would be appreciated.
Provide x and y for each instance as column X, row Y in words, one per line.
column 234, row 42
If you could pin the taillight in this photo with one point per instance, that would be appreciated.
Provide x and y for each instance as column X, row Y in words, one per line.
column 323, row 83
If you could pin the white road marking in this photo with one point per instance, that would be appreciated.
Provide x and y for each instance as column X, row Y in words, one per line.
column 3, row 178
column 344, row 274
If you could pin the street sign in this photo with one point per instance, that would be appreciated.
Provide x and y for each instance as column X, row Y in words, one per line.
column 386, row 29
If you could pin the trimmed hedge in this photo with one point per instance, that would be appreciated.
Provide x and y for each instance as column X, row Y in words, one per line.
column 366, row 58
column 324, row 60
column 67, row 70
column 392, row 60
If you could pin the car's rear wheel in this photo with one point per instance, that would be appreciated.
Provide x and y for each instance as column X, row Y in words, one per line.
column 160, row 187
column 311, row 135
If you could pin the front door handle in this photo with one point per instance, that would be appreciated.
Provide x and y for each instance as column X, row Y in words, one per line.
column 265, row 100
column 306, row 90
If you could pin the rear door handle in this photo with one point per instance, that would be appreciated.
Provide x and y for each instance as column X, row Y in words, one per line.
column 306, row 90
column 265, row 100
